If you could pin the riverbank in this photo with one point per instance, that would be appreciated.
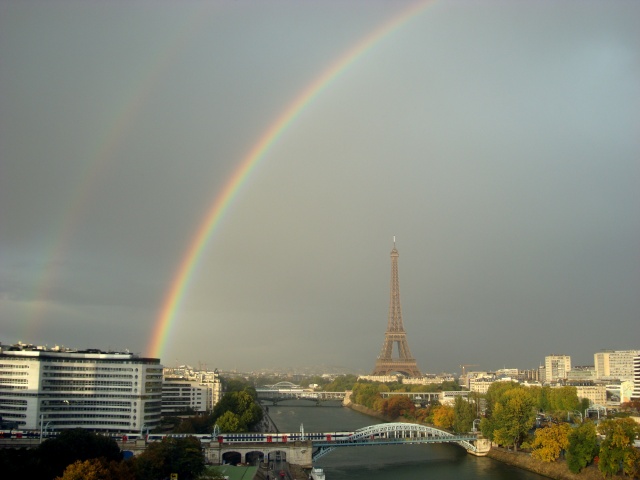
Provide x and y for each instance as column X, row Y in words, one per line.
column 557, row 470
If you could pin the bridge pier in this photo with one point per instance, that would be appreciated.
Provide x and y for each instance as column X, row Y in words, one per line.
column 295, row 453
column 483, row 445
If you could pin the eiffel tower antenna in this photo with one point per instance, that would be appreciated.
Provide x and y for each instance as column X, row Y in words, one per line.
column 395, row 334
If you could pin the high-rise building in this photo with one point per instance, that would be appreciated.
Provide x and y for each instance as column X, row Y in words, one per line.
column 61, row 388
column 395, row 335
column 636, row 378
column 556, row 367
column 615, row 364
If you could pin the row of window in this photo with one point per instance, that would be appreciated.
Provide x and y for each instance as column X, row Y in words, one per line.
column 12, row 402
column 86, row 375
column 65, row 395
column 96, row 368
column 14, row 380
column 53, row 416
column 21, row 373
column 87, row 382
column 89, row 388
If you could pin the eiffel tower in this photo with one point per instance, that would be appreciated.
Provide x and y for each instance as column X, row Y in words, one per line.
column 386, row 364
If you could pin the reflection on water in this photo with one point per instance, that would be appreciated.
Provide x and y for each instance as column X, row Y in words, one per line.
column 402, row 462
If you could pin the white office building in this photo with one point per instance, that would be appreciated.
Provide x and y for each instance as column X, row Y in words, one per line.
column 60, row 388
column 556, row 367
column 615, row 364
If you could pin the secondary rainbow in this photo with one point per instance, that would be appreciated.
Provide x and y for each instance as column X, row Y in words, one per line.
column 181, row 281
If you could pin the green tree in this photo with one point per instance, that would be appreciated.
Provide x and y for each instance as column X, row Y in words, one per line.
column 617, row 449
column 582, row 446
column 229, row 422
column 464, row 415
column 341, row 383
column 564, row 399
column 513, row 415
column 243, row 405
column 172, row 455
column 549, row 442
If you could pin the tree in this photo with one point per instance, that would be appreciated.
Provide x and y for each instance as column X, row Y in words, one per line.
column 617, row 449
column 400, row 405
column 98, row 469
column 243, row 405
column 172, row 455
column 464, row 415
column 229, row 422
column 54, row 454
column 564, row 399
column 443, row 416
column 582, row 446
column 341, row 383
column 513, row 416
column 85, row 470
column 550, row 441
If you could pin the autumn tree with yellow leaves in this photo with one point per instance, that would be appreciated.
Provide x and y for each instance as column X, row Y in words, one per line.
column 549, row 442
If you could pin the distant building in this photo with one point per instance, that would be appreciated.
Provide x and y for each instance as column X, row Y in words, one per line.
column 381, row 378
column 556, row 367
column 582, row 374
column 615, row 364
column 429, row 379
column 596, row 394
column 636, row 378
column 61, row 388
column 480, row 385
column 185, row 389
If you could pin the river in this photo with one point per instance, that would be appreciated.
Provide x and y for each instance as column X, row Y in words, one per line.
column 402, row 462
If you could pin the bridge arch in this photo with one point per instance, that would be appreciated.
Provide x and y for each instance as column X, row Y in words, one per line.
column 399, row 433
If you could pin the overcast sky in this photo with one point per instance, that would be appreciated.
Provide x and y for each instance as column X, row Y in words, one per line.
column 498, row 141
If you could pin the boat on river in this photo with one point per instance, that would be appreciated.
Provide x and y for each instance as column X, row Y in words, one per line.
column 316, row 474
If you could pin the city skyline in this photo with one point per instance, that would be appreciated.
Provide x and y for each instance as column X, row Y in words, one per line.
column 497, row 142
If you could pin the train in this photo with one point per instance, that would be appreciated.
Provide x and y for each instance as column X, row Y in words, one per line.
column 221, row 438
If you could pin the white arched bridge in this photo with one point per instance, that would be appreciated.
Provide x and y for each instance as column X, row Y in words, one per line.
column 398, row 434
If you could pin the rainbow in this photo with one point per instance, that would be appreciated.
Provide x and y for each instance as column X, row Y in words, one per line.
column 121, row 118
column 182, row 278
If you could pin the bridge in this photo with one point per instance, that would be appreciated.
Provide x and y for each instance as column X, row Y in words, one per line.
column 288, row 391
column 298, row 448
column 401, row 434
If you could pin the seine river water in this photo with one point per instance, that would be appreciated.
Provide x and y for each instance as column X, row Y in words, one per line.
column 402, row 462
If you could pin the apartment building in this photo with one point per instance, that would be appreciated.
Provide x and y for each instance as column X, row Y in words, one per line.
column 615, row 364
column 556, row 367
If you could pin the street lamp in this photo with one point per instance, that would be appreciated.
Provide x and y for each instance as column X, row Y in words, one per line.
column 574, row 411
column 475, row 429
